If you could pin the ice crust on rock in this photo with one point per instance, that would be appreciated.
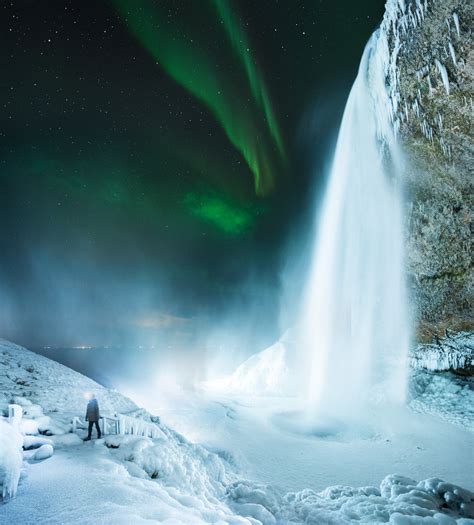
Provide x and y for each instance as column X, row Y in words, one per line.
column 453, row 352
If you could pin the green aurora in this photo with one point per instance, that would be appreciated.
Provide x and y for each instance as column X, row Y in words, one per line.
column 241, row 46
column 221, row 212
column 193, row 69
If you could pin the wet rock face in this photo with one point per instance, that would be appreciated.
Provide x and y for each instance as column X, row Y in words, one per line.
column 435, row 113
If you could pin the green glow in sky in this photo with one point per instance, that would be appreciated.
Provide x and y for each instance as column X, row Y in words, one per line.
column 194, row 69
column 241, row 47
column 221, row 212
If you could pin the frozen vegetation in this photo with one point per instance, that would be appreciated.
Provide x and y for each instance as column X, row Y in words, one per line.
column 131, row 479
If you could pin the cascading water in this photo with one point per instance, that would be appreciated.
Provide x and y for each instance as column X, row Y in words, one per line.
column 355, row 328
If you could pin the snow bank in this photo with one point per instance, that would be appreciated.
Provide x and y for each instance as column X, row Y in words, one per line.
column 11, row 459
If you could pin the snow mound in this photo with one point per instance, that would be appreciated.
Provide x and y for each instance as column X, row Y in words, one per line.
column 11, row 459
column 453, row 352
column 44, row 452
column 266, row 373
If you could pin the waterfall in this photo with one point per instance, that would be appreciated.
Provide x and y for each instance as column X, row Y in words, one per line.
column 355, row 331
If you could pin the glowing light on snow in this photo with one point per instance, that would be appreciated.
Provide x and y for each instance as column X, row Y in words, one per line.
column 355, row 329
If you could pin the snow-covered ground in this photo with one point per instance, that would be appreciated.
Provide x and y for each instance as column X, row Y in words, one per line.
column 205, row 477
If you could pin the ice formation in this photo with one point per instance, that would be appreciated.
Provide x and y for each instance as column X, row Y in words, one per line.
column 453, row 352
column 444, row 75
column 453, row 54
column 456, row 23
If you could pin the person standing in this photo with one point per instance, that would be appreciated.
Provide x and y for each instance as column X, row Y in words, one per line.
column 92, row 416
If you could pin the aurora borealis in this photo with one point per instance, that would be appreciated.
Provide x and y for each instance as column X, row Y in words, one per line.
column 162, row 157
column 188, row 65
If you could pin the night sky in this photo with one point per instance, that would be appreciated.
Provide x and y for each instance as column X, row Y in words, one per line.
column 160, row 162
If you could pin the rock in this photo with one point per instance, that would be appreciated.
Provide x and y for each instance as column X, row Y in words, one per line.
column 433, row 89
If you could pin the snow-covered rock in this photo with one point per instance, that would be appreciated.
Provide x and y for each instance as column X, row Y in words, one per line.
column 30, row 442
column 44, row 452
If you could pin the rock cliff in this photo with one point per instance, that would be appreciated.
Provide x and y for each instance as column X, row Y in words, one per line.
column 432, row 84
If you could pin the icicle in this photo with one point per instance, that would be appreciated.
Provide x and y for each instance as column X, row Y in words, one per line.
column 440, row 121
column 456, row 23
column 430, row 86
column 453, row 54
column 444, row 74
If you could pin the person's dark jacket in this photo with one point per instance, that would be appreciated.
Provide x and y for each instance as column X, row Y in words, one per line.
column 92, row 413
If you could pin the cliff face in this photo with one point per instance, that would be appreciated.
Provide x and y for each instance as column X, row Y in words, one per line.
column 432, row 93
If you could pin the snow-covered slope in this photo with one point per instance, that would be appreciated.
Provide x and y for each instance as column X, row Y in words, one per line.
column 51, row 385
column 131, row 479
